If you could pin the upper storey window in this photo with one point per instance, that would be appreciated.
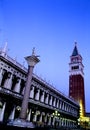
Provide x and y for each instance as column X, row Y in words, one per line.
column 75, row 67
column 74, row 59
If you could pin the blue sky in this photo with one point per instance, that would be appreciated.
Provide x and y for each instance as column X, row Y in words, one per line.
column 52, row 27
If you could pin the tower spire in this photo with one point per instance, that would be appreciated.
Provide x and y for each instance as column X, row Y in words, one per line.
column 75, row 50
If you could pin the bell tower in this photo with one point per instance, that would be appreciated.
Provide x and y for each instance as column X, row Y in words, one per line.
column 76, row 80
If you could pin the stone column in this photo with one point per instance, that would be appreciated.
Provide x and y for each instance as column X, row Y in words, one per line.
column 57, row 103
column 60, row 105
column 53, row 123
column 60, row 122
column 42, row 96
column 46, row 101
column 29, row 115
column 40, row 120
column 2, row 112
column 32, row 61
column 54, row 103
column 65, row 122
column 1, row 76
column 37, row 94
column 49, row 122
column 67, row 108
column 17, row 86
column 46, row 116
column 8, row 81
column 50, row 103
column 11, row 117
column 35, row 117
column 32, row 92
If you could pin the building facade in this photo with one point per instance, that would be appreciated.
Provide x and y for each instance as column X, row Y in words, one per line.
column 47, row 106
column 76, row 80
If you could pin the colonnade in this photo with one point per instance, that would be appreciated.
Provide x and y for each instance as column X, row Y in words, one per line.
column 37, row 92
column 40, row 117
column 15, row 82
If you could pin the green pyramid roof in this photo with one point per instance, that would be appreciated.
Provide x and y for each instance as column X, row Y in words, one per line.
column 75, row 51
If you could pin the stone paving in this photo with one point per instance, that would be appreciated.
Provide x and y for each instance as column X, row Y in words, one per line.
column 7, row 127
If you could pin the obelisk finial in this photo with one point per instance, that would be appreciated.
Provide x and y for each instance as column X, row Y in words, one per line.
column 5, row 47
column 33, row 51
column 75, row 43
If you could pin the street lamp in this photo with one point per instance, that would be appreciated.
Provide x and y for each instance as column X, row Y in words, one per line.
column 56, row 114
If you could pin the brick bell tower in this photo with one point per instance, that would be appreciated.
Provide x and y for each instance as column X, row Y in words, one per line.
column 76, row 80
